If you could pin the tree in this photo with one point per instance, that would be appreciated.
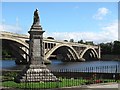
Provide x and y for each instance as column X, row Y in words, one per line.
column 66, row 40
column 110, row 48
column 89, row 43
column 81, row 41
column 50, row 38
column 6, row 52
column 116, row 47
column 71, row 40
column 106, row 48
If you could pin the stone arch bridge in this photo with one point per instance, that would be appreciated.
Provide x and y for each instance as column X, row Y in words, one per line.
column 62, row 50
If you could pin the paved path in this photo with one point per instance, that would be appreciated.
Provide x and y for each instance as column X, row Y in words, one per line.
column 110, row 85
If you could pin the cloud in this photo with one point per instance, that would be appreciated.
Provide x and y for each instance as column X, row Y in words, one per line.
column 15, row 28
column 10, row 28
column 107, row 33
column 101, row 13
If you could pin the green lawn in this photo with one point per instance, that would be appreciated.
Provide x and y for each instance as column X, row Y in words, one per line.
column 62, row 83
column 8, row 81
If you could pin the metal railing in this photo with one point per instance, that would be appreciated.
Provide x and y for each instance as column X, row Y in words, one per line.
column 69, row 78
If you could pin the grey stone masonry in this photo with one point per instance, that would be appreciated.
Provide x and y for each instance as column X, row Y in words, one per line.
column 36, row 71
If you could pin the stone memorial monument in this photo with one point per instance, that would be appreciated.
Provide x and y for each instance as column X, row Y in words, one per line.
column 36, row 71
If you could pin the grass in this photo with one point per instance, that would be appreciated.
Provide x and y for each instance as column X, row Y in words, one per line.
column 43, row 85
column 63, row 83
column 8, row 81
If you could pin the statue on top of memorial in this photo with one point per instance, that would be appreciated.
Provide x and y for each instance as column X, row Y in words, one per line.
column 36, row 17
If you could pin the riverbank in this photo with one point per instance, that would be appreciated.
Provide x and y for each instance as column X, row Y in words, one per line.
column 110, row 57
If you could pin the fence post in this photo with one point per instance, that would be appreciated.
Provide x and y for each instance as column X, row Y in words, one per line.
column 116, row 74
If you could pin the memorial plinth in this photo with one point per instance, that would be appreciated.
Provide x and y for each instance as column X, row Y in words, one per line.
column 36, row 71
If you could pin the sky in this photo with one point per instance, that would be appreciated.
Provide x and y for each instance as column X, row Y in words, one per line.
column 88, row 21
column 60, row 0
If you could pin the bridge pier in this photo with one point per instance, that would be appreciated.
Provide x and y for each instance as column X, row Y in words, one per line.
column 22, row 61
column 81, row 59
column 99, row 52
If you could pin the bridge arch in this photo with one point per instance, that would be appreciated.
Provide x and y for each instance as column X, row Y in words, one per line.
column 19, row 49
column 16, row 40
column 70, row 48
column 91, row 52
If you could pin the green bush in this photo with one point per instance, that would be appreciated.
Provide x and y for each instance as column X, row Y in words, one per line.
column 9, row 76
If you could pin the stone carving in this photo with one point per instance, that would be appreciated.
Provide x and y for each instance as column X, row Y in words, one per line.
column 36, row 17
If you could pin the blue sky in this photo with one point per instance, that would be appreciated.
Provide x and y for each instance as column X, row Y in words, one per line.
column 90, row 21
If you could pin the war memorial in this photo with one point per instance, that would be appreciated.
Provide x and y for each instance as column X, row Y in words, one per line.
column 36, row 71
column 36, row 75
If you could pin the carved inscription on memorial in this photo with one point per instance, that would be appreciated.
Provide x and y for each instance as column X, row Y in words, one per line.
column 37, row 49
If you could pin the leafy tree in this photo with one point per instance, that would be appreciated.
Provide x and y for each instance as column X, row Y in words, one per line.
column 71, row 40
column 81, row 41
column 66, row 40
column 106, row 48
column 116, row 47
column 50, row 38
column 89, row 43
column 6, row 52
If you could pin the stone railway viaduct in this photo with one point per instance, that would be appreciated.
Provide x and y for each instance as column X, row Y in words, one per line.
column 62, row 50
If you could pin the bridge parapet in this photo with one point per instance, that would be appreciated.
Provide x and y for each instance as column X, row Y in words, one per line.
column 22, row 36
column 26, row 37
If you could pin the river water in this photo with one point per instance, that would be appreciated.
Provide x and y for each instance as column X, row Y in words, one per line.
column 91, row 66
